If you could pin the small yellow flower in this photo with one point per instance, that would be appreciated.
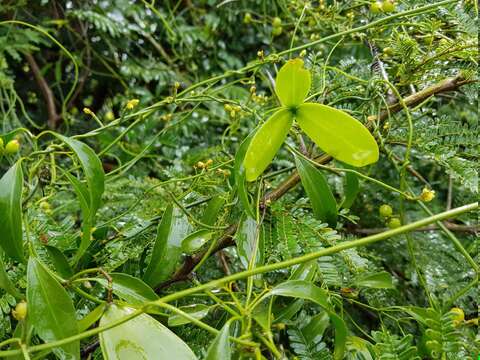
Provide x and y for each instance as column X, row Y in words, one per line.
column 427, row 195
column 132, row 103
column 88, row 111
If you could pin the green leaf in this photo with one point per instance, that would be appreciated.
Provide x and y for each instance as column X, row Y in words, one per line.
column 293, row 83
column 351, row 188
column 240, row 176
column 249, row 242
column 266, row 142
column 318, row 191
column 213, row 208
column 197, row 311
column 129, row 288
column 11, row 186
column 338, row 134
column 91, row 318
column 307, row 291
column 220, row 347
column 59, row 261
column 167, row 249
column 196, row 240
column 140, row 338
column 5, row 282
column 380, row 280
column 51, row 310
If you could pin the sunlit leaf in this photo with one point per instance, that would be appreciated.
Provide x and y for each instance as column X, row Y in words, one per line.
column 196, row 240
column 323, row 203
column 292, row 83
column 91, row 318
column 380, row 280
column 167, row 249
column 11, row 239
column 266, row 142
column 139, row 338
column 51, row 310
column 338, row 134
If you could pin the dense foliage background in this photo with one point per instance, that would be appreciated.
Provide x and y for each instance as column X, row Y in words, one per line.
column 164, row 93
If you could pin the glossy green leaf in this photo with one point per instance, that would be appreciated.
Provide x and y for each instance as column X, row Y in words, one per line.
column 317, row 326
column 318, row 191
column 197, row 311
column 351, row 188
column 307, row 291
column 249, row 242
column 380, row 280
column 240, row 175
column 50, row 310
column 11, row 239
column 266, row 142
column 167, row 249
column 59, row 261
column 338, row 134
column 293, row 83
column 140, row 338
column 220, row 347
column 196, row 240
column 5, row 282
column 129, row 288
column 91, row 318
column 213, row 209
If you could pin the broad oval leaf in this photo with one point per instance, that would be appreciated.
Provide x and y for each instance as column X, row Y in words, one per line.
column 91, row 318
column 140, row 338
column 50, row 310
column 167, row 249
column 11, row 185
column 323, row 203
column 266, row 142
column 197, row 311
column 293, row 83
column 379, row 280
column 338, row 134
column 130, row 288
column 305, row 290
column 220, row 347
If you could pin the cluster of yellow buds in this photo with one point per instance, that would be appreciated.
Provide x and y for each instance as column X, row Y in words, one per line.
column 12, row 147
column 260, row 99
column 427, row 195
column 303, row 53
column 372, row 118
column 261, row 55
column 276, row 26
column 314, row 37
column 46, row 207
column 203, row 165
column 233, row 110
column 166, row 117
column 350, row 15
column 132, row 103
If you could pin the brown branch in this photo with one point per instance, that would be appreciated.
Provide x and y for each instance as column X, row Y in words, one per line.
column 227, row 240
column 451, row 226
column 47, row 93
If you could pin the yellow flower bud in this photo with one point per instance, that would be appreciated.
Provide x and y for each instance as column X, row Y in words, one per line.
column 87, row 111
column 12, row 147
column 200, row 165
column 109, row 116
column 132, row 103
column 20, row 312
column 427, row 195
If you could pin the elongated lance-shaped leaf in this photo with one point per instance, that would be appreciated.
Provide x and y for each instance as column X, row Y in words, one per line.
column 167, row 249
column 130, row 288
column 292, row 83
column 240, row 176
column 140, row 338
column 338, row 134
column 11, row 239
column 351, row 188
column 318, row 191
column 266, row 142
column 250, row 244
column 220, row 347
column 5, row 282
column 50, row 310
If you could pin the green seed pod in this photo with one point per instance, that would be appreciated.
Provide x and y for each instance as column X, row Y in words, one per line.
column 12, row 147
column 394, row 223
column 385, row 211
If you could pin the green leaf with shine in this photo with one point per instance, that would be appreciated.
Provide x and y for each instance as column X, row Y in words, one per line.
column 140, row 338
column 50, row 310
column 130, row 288
column 338, row 134
column 220, row 347
column 379, row 280
column 293, row 83
column 266, row 142
column 11, row 186
column 318, row 191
